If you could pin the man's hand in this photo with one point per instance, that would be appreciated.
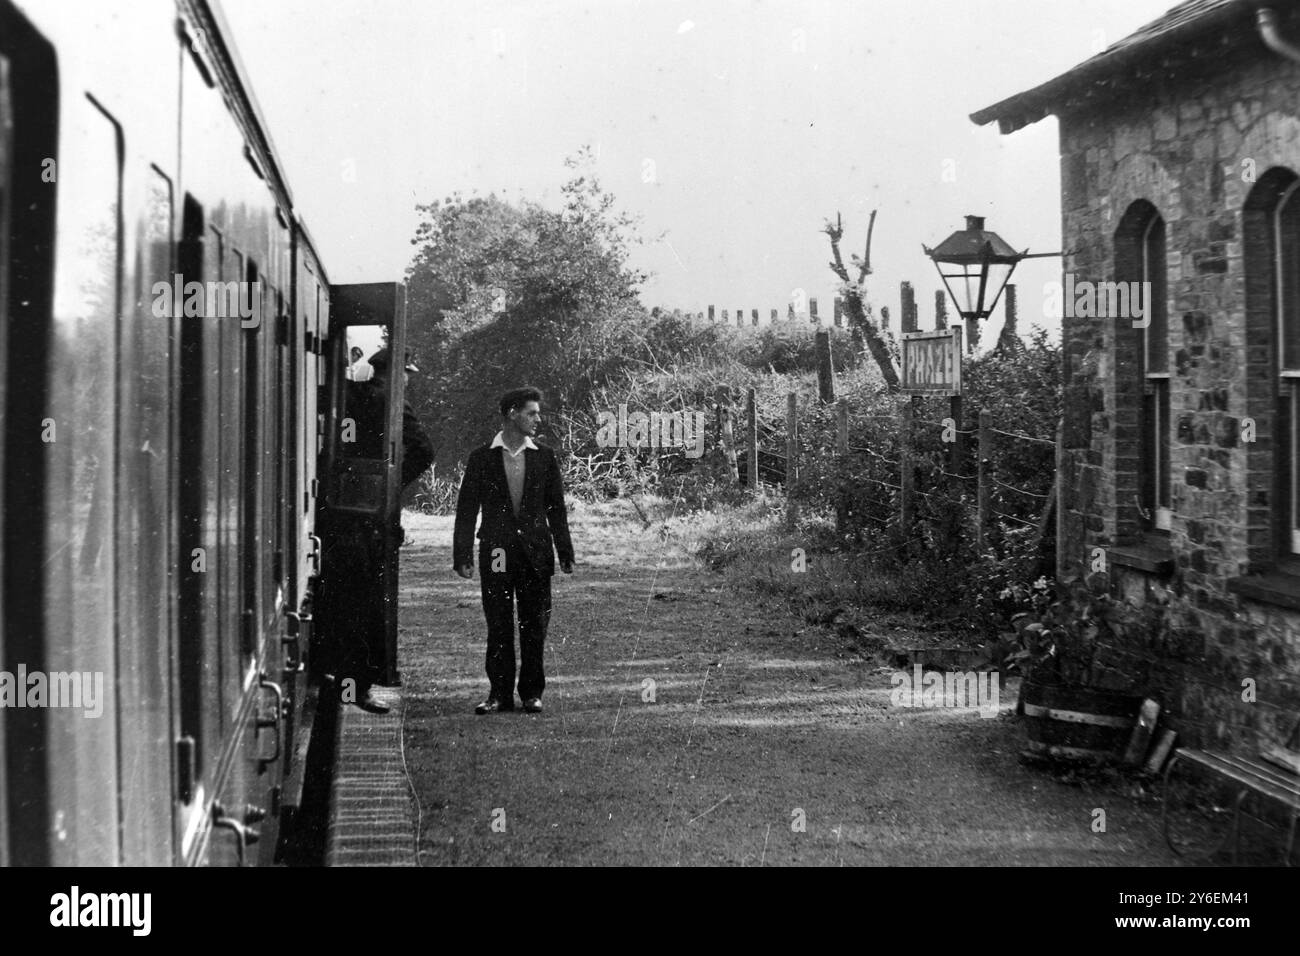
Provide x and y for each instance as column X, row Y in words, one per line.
column 566, row 567
column 465, row 570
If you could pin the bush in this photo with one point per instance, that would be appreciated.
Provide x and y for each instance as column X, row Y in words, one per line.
column 937, row 568
column 434, row 494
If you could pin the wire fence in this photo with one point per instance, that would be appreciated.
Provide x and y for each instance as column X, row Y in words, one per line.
column 907, row 469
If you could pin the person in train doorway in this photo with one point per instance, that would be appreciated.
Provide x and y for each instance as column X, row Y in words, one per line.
column 360, row 370
column 516, row 483
column 365, row 404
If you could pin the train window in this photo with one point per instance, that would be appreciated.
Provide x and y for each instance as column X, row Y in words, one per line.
column 144, row 530
column 80, row 451
column 360, row 484
column 29, row 136
column 6, row 168
column 230, row 500
column 281, row 444
column 198, row 260
column 361, row 432
column 215, row 623
column 272, row 444
column 254, row 474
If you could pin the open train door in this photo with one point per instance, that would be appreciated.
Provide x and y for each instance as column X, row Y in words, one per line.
column 359, row 519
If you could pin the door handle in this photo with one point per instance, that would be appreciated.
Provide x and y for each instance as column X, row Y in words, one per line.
column 244, row 834
column 315, row 556
column 292, row 641
column 262, row 723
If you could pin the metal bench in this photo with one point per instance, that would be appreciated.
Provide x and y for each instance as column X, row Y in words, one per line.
column 1249, row 777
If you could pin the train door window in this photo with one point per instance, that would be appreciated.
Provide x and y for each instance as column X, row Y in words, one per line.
column 199, row 260
column 30, row 785
column 80, row 463
column 272, row 438
column 254, row 476
column 281, row 444
column 321, row 377
column 6, row 191
column 145, row 529
column 231, row 500
column 359, row 483
column 215, row 623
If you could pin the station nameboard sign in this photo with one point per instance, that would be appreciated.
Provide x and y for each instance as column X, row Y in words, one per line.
column 932, row 362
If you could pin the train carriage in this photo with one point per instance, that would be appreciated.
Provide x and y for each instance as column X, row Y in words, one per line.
column 169, row 382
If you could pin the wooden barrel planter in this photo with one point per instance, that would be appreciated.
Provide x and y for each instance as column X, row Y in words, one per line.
column 1077, row 723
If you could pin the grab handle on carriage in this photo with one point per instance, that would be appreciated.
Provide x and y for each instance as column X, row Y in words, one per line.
column 274, row 721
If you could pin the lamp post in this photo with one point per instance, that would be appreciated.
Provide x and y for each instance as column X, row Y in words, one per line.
column 980, row 262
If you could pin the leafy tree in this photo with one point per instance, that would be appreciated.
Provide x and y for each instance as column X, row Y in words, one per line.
column 502, row 294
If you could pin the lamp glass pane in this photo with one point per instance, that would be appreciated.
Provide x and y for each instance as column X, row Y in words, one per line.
column 998, row 274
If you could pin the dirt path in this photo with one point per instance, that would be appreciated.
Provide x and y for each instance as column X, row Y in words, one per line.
column 757, row 722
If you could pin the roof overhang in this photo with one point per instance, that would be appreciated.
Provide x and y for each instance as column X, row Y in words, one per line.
column 1185, row 33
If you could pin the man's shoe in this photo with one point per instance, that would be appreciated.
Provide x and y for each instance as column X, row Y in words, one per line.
column 533, row 705
column 369, row 702
column 489, row 706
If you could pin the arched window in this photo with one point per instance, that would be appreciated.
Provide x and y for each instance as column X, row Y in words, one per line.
column 1142, row 373
column 1286, row 240
column 1270, row 426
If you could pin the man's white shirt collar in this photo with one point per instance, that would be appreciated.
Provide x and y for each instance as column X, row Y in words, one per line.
column 499, row 442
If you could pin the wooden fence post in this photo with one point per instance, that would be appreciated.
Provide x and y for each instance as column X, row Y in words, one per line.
column 957, row 448
column 1007, row 337
column 908, row 303
column 726, row 438
column 812, row 311
column 712, row 317
column 842, row 450
column 751, row 440
column 754, row 314
column 1060, row 502
column 839, row 312
column 906, row 474
column 825, row 369
column 984, row 473
column 791, row 459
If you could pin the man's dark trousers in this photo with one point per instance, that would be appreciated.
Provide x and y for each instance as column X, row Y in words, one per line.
column 518, row 583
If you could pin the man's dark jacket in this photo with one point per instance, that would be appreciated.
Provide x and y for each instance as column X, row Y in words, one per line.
column 542, row 516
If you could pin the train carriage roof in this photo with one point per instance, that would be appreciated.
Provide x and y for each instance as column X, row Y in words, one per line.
column 234, row 80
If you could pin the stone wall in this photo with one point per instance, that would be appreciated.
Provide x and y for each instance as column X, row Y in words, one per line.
column 1211, row 152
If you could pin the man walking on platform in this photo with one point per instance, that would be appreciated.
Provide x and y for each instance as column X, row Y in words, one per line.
column 517, row 485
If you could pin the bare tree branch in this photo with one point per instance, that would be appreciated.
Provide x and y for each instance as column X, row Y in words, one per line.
column 855, row 307
column 836, row 232
column 865, row 269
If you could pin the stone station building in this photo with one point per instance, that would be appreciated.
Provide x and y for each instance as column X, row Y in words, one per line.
column 1180, row 167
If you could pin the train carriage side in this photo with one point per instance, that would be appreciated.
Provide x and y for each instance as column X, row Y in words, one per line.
column 89, row 543
column 244, row 672
column 156, row 535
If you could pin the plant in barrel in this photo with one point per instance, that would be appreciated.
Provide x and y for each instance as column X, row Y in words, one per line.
column 1077, row 703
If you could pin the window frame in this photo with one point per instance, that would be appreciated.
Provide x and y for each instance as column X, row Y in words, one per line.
column 1287, row 461
column 1155, row 388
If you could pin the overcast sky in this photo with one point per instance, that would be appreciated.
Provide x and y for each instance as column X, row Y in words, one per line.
column 732, row 128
